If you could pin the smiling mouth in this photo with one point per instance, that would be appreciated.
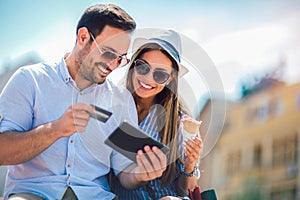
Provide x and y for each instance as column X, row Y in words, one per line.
column 144, row 85
column 103, row 69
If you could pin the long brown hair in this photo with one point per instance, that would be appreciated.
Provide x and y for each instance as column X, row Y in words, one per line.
column 168, row 98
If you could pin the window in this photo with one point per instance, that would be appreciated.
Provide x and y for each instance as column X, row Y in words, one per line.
column 291, row 149
column 278, row 151
column 234, row 162
column 262, row 113
column 250, row 114
column 275, row 107
column 257, row 155
column 227, row 125
column 285, row 150
column 265, row 109
column 298, row 99
column 284, row 194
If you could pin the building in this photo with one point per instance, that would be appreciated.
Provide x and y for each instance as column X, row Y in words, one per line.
column 257, row 154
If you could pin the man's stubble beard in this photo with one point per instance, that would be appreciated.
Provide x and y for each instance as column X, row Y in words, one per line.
column 84, row 64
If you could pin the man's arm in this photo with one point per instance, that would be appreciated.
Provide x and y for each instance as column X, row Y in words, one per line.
column 17, row 147
column 146, row 169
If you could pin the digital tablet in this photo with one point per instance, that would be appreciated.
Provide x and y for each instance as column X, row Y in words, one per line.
column 128, row 139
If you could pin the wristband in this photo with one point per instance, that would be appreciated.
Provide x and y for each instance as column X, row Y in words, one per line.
column 195, row 173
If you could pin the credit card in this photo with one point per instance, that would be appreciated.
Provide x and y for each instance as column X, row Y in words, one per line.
column 100, row 114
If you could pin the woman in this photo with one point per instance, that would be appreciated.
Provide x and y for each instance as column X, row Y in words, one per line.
column 153, row 81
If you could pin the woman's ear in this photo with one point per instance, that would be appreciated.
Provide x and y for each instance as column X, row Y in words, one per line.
column 83, row 36
column 169, row 80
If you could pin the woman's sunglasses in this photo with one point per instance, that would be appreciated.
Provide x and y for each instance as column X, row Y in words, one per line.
column 143, row 68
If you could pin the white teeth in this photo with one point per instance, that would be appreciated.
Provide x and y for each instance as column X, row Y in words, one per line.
column 102, row 69
column 145, row 86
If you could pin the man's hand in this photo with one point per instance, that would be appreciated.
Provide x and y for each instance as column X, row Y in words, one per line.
column 75, row 119
column 36, row 140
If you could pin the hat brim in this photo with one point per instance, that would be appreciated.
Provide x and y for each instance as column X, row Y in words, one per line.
column 139, row 42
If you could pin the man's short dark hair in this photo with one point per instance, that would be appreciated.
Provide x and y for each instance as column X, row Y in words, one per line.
column 96, row 17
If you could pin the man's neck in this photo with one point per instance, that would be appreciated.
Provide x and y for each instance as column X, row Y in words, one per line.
column 73, row 69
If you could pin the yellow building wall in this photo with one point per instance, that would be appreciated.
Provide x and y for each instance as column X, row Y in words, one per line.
column 244, row 130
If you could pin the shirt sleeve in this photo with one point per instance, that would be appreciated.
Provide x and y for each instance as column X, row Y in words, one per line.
column 119, row 162
column 127, row 111
column 16, row 103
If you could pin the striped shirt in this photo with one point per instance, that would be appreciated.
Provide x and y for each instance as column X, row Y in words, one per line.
column 150, row 126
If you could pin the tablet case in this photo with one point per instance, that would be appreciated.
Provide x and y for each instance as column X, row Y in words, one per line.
column 128, row 139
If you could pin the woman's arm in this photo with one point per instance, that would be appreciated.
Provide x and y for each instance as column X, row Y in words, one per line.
column 188, row 177
column 193, row 147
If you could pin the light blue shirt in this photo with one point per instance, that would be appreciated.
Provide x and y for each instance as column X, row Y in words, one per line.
column 41, row 93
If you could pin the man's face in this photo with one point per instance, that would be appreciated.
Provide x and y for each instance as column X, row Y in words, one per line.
column 99, row 58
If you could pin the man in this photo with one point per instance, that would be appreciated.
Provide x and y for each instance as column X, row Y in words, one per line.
column 53, row 148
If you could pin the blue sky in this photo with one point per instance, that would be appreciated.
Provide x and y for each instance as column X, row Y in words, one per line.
column 241, row 37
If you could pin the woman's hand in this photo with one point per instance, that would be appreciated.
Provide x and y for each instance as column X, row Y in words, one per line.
column 193, row 142
column 193, row 151
column 151, row 164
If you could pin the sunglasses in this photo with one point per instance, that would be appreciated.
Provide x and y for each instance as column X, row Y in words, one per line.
column 110, row 56
column 142, row 68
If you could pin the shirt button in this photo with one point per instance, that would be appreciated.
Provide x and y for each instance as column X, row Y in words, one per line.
column 68, row 165
column 71, row 141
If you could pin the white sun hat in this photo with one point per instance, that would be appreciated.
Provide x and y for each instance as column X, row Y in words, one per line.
column 169, row 40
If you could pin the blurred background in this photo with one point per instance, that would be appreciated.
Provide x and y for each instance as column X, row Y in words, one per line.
column 255, row 48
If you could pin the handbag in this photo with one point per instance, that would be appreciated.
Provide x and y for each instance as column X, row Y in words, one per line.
column 196, row 194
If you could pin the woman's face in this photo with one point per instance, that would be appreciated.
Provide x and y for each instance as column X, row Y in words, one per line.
column 144, row 85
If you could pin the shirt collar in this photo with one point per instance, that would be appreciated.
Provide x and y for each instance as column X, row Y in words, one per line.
column 64, row 72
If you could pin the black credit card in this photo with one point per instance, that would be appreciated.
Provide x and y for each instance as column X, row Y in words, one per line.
column 100, row 114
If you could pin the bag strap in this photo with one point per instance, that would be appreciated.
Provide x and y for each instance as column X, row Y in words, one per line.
column 195, row 194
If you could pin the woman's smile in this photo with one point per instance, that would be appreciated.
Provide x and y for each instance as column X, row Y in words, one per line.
column 144, row 85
